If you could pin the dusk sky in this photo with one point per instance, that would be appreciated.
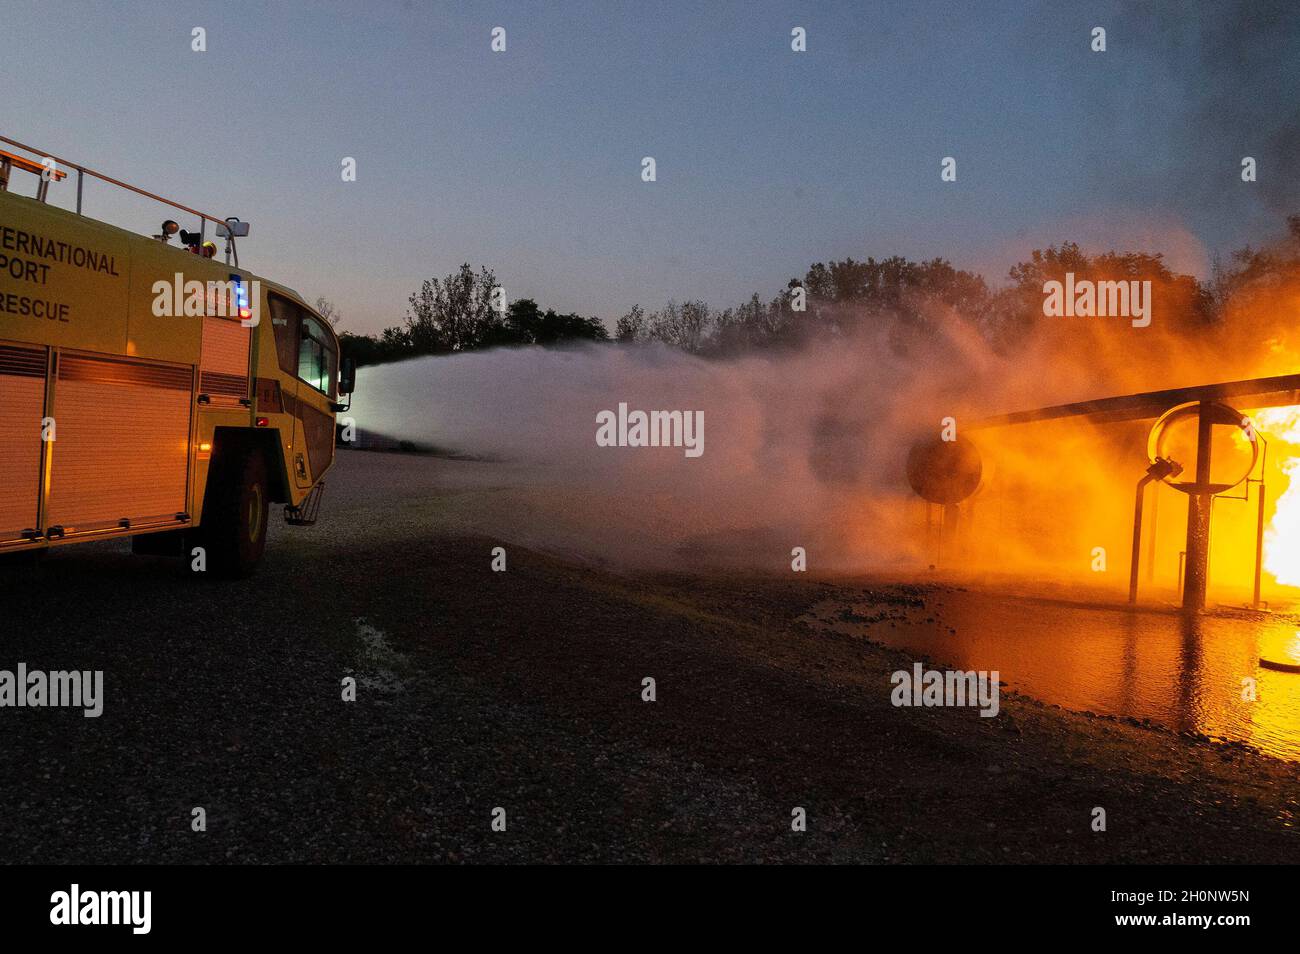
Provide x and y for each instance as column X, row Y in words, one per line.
column 529, row 160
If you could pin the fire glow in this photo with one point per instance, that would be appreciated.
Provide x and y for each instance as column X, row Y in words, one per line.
column 1281, row 426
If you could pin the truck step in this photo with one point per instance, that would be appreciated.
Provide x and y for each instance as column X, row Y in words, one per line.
column 304, row 515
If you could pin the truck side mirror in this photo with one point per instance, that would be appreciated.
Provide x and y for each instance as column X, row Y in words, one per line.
column 348, row 376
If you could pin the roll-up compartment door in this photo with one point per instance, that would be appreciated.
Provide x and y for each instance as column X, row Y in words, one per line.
column 22, row 405
column 224, row 367
column 122, row 448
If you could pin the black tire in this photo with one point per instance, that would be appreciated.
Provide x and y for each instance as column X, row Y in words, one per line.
column 235, row 513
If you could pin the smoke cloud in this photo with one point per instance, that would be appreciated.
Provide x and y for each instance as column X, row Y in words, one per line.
column 1228, row 92
column 807, row 448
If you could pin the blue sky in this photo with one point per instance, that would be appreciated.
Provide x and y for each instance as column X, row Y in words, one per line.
column 529, row 160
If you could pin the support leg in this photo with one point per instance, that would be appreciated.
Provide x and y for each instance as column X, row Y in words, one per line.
column 1198, row 521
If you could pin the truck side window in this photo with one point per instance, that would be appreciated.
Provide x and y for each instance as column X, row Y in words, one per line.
column 284, row 321
column 316, row 357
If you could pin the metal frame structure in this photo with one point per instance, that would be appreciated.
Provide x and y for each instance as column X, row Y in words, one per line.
column 1277, row 391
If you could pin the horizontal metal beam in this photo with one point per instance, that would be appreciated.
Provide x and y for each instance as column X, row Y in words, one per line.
column 1279, row 391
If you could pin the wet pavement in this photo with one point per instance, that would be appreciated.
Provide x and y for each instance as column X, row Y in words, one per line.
column 1189, row 674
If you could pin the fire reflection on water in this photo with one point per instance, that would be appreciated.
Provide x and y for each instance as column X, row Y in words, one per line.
column 1195, row 674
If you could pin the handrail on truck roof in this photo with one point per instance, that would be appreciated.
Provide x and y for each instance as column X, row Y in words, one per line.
column 85, row 171
column 27, row 165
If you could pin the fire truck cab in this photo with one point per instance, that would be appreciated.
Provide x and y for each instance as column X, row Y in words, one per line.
column 150, row 392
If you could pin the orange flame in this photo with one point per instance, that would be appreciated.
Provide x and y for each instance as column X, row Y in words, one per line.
column 1281, row 427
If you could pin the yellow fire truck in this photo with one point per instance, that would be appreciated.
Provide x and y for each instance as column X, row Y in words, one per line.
column 148, row 390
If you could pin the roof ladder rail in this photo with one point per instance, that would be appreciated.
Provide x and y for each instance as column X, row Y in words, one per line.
column 54, row 170
column 9, row 161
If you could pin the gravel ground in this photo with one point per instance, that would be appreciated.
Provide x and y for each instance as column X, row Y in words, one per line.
column 522, row 690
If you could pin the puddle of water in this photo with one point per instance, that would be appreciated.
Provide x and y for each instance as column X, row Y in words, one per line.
column 1179, row 672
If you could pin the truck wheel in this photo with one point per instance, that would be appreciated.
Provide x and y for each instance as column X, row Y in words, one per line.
column 235, row 512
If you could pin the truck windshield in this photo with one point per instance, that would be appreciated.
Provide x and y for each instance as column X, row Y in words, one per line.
column 317, row 358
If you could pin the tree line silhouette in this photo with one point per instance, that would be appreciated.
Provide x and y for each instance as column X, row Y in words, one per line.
column 834, row 300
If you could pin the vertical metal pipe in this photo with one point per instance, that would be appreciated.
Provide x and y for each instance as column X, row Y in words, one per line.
column 1153, row 534
column 1136, row 559
column 1259, row 544
column 929, row 530
column 1198, row 518
column 80, row 179
column 938, row 550
column 952, row 528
